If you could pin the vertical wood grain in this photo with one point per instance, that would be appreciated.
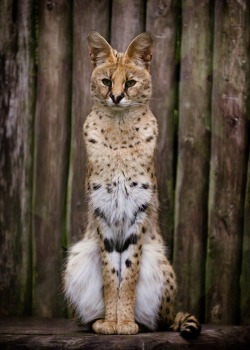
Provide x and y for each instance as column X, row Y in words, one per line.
column 193, row 155
column 51, row 154
column 16, row 120
column 87, row 15
column 162, row 22
column 127, row 22
column 228, row 160
column 42, row 151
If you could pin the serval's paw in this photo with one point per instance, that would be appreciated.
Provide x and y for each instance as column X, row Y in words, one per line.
column 104, row 327
column 127, row 328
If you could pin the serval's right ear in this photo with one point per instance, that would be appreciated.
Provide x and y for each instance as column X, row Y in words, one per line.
column 99, row 49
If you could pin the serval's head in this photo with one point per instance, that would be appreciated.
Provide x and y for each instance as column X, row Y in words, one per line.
column 120, row 80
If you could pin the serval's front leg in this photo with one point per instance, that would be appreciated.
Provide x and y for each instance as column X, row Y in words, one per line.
column 130, row 265
column 110, row 271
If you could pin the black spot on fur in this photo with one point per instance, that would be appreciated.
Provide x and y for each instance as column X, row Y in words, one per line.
column 108, row 245
column 150, row 138
column 92, row 141
column 113, row 270
column 143, row 229
column 109, row 188
column 99, row 213
column 96, row 186
column 145, row 186
column 141, row 209
column 128, row 263
column 133, row 184
column 132, row 239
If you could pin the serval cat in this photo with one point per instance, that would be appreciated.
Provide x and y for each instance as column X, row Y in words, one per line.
column 118, row 276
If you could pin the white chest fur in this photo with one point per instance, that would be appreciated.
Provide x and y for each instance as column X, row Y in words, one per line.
column 120, row 200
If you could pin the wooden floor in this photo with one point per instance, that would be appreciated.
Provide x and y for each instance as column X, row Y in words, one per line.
column 64, row 334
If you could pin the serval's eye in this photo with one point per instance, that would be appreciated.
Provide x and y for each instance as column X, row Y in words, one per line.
column 130, row 83
column 107, row 82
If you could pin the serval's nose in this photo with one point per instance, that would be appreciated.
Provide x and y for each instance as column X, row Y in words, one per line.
column 116, row 98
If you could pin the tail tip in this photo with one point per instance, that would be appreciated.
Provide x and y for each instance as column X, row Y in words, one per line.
column 190, row 332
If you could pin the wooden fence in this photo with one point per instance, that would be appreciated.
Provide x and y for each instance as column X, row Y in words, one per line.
column 200, row 70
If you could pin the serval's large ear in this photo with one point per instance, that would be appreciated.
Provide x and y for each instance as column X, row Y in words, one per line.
column 140, row 50
column 99, row 49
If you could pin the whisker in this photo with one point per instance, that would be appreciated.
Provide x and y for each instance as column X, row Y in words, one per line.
column 138, row 104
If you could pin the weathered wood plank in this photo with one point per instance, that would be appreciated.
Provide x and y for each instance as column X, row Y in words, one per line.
column 127, row 22
column 51, row 154
column 87, row 15
column 16, row 118
column 228, row 159
column 63, row 334
column 162, row 22
column 245, row 270
column 193, row 155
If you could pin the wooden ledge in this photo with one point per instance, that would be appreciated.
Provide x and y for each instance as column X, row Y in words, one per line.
column 30, row 333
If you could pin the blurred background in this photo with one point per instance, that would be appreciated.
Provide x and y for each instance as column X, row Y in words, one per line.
column 200, row 72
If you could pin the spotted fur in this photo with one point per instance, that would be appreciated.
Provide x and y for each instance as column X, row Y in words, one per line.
column 118, row 275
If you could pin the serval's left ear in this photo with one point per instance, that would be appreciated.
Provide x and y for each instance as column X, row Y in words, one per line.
column 140, row 50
